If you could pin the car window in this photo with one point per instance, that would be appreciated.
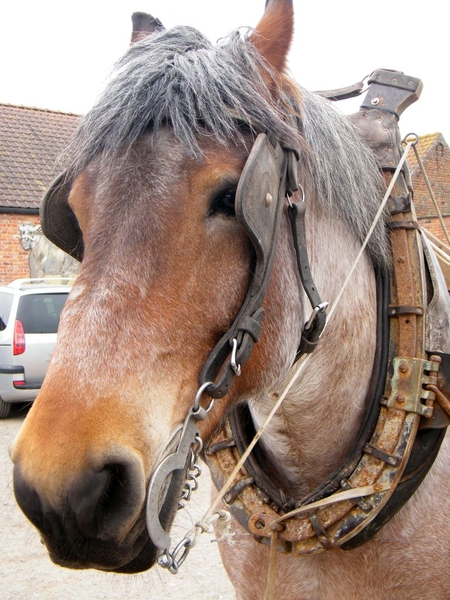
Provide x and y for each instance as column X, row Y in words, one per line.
column 5, row 309
column 40, row 313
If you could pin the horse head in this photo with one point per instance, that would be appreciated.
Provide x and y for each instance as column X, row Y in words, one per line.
column 165, row 270
column 178, row 197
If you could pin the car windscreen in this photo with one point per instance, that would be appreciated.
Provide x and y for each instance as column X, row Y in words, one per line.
column 5, row 309
column 40, row 313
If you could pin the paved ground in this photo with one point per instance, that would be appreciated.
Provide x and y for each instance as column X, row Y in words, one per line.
column 26, row 572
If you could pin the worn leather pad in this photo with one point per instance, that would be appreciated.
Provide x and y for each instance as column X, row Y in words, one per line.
column 258, row 205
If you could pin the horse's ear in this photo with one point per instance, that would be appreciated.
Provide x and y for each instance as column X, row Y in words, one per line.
column 143, row 25
column 273, row 34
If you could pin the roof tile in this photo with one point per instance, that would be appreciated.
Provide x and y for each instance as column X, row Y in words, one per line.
column 31, row 140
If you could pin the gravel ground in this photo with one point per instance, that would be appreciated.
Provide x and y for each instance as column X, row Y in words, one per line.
column 26, row 572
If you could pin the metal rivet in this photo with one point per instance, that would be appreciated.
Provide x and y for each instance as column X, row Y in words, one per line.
column 269, row 199
column 375, row 101
column 403, row 367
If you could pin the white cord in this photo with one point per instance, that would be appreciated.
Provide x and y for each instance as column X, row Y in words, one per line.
column 209, row 515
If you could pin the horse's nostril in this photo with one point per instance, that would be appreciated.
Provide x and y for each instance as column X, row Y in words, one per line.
column 91, row 498
column 103, row 501
column 115, row 487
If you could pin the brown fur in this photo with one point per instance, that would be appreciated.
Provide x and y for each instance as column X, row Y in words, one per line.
column 161, row 281
column 273, row 34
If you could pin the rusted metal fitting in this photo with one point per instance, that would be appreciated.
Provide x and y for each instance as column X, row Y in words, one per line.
column 410, row 385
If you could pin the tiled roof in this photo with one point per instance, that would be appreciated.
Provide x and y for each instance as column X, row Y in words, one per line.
column 423, row 145
column 31, row 140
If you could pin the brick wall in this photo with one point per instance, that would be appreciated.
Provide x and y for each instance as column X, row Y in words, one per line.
column 13, row 258
column 436, row 163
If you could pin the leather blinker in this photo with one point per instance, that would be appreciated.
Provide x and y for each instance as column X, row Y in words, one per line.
column 258, row 206
column 58, row 221
column 257, row 203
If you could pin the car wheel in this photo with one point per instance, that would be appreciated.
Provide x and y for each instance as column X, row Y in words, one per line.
column 5, row 407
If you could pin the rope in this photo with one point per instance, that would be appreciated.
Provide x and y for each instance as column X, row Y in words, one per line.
column 430, row 191
column 272, row 571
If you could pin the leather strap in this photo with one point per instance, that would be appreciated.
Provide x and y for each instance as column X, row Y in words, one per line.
column 314, row 327
column 269, row 176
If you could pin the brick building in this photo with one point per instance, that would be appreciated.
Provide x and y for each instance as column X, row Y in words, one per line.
column 32, row 139
column 30, row 142
column 434, row 154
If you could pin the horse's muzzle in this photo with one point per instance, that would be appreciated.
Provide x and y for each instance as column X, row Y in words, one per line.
column 98, row 522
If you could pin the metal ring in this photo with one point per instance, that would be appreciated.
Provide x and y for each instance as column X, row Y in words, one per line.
column 407, row 139
column 199, row 394
column 184, row 546
column 199, row 441
column 289, row 196
column 300, row 187
column 317, row 309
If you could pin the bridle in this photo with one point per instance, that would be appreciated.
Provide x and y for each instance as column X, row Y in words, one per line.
column 405, row 423
column 267, row 182
column 266, row 185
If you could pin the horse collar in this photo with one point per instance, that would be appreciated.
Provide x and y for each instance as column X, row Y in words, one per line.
column 404, row 426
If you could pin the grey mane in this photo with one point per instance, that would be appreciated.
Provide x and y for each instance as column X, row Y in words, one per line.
column 176, row 77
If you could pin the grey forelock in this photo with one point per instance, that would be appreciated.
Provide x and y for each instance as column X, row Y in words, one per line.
column 176, row 77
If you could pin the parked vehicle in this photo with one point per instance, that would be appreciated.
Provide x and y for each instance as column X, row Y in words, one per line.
column 29, row 319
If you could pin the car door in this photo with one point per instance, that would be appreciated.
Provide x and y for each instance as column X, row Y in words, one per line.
column 39, row 315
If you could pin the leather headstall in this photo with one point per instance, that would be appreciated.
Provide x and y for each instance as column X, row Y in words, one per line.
column 269, row 177
column 404, row 425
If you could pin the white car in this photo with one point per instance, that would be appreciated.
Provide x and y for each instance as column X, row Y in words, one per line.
column 29, row 319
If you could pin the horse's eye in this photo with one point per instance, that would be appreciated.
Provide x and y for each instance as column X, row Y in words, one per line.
column 223, row 203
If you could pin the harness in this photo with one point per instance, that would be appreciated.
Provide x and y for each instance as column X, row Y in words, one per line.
column 404, row 424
